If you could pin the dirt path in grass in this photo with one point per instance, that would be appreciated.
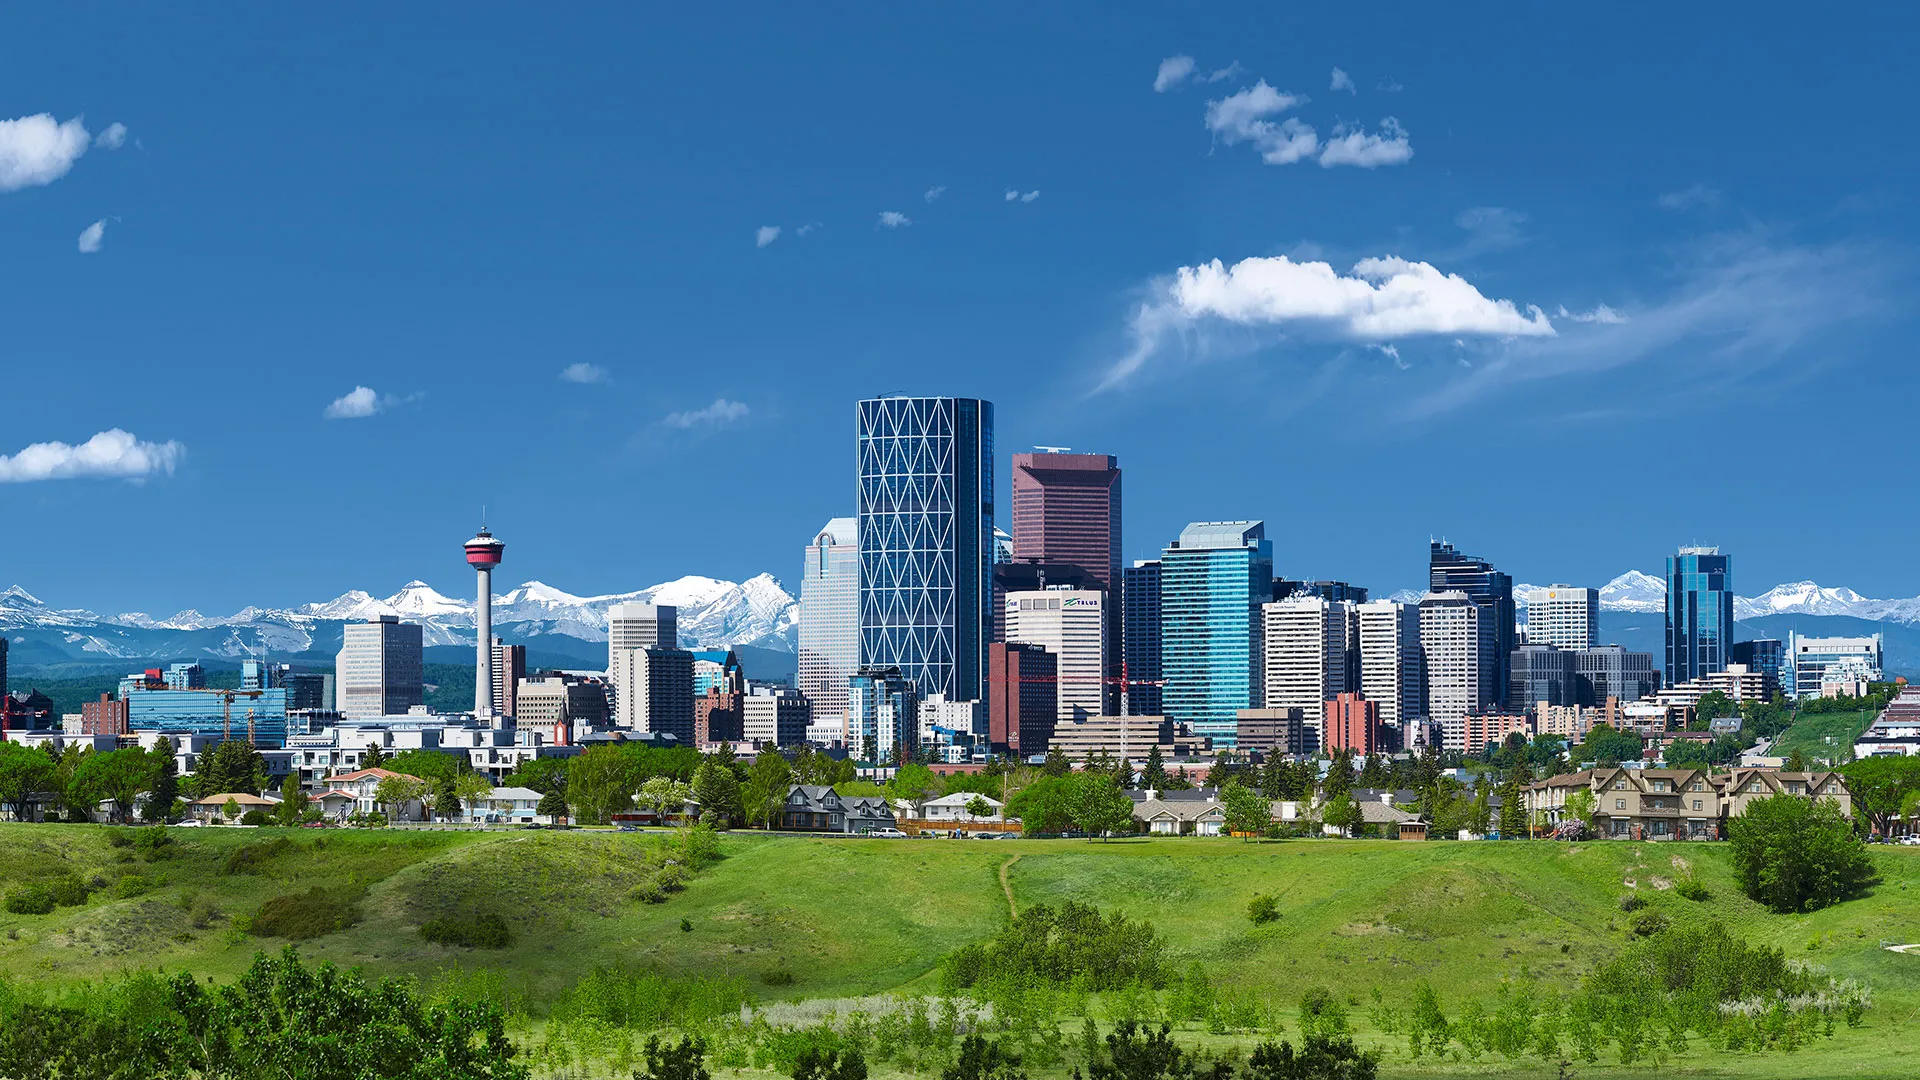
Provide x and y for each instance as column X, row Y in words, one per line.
column 1006, row 886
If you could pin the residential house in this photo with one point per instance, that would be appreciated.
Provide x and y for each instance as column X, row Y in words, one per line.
column 1675, row 804
column 952, row 809
column 361, row 785
column 1197, row 812
column 213, row 807
column 506, row 806
column 818, row 808
column 1743, row 786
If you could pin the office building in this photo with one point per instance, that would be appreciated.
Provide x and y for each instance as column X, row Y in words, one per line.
column 1858, row 659
column 717, row 669
column 379, row 669
column 1450, row 643
column 1305, row 662
column 925, row 532
column 258, row 674
column 1450, row 571
column 1140, row 636
column 1066, row 512
column 1393, row 668
column 560, row 707
column 1072, row 625
column 106, row 716
column 719, row 716
column 830, row 618
column 1699, row 613
column 883, row 723
column 776, row 716
column 1768, row 657
column 1213, row 581
column 642, row 626
column 653, row 691
column 1267, row 733
column 1022, row 702
column 186, row 676
column 1284, row 588
column 509, row 667
column 1352, row 723
column 1610, row 671
column 1121, row 738
column 262, row 718
column 1022, row 576
column 1544, row 673
column 1563, row 616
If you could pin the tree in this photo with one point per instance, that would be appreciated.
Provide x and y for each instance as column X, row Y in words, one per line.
column 1342, row 813
column 1878, row 784
column 553, row 805
column 1057, row 764
column 1374, row 774
column 1248, row 814
column 913, row 782
column 1480, row 811
column 1796, row 761
column 1339, row 778
column 442, row 799
column 1580, row 806
column 230, row 809
column 1712, row 705
column 1513, row 810
column 717, row 790
column 981, row 1058
column 665, row 796
column 821, row 1063
column 978, row 807
column 1155, row 776
column 372, row 758
column 1321, row 1057
column 764, row 794
column 165, row 789
column 293, row 801
column 1100, row 808
column 234, row 765
column 685, row 1060
column 396, row 791
column 1607, row 746
column 24, row 772
column 1795, row 854
column 1687, row 754
column 600, row 784
column 432, row 766
column 472, row 788
column 119, row 775
column 541, row 775
column 1043, row 807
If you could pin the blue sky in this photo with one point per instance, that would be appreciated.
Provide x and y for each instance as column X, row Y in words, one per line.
column 452, row 206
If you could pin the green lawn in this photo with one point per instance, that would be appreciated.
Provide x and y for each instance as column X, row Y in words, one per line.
column 854, row 917
column 1824, row 736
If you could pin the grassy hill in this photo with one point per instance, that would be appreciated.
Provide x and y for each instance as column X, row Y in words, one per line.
column 857, row 917
column 1824, row 736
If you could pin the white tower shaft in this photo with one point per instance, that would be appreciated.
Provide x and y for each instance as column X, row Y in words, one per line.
column 483, row 667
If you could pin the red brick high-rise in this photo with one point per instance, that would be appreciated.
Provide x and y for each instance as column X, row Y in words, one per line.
column 1352, row 723
column 1066, row 512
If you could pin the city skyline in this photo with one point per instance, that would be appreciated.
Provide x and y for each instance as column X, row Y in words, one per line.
column 574, row 269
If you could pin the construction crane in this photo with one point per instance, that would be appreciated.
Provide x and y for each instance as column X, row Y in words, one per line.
column 226, row 708
column 1122, row 681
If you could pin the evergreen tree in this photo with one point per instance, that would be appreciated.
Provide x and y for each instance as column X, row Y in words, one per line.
column 717, row 790
column 1375, row 774
column 372, row 758
column 1156, row 773
column 1057, row 764
column 166, row 781
column 1339, row 778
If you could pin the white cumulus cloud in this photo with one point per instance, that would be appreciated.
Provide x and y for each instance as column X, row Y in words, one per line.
column 1173, row 71
column 113, row 454
column 1016, row 195
column 113, row 137
column 354, row 404
column 584, row 373
column 720, row 412
column 894, row 219
column 765, row 234
column 91, row 237
column 1356, row 146
column 37, row 150
column 1342, row 81
column 935, row 192
column 1248, row 117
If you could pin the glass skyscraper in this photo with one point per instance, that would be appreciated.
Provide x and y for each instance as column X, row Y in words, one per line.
column 1140, row 631
column 1212, row 583
column 1699, row 613
column 1066, row 511
column 1450, row 571
column 830, row 619
column 926, row 540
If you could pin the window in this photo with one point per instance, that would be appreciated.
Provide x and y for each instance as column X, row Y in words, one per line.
column 1619, row 804
column 1696, row 804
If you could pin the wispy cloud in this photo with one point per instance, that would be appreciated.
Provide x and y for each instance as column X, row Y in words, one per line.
column 1173, row 71
column 1489, row 229
column 1388, row 86
column 765, row 234
column 1357, row 146
column 363, row 401
column 113, row 137
column 1016, row 195
column 92, row 236
column 1342, row 81
column 1600, row 314
column 1379, row 301
column 1248, row 117
column 37, row 150
column 893, row 219
column 1699, row 196
column 935, row 192
column 586, row 374
column 720, row 412
column 808, row 228
column 112, row 454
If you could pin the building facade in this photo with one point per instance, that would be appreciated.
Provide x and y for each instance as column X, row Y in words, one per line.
column 1699, row 613
column 1022, row 707
column 1305, row 646
column 1563, row 616
column 1393, row 670
column 1610, row 671
column 1544, row 673
column 1066, row 511
column 1450, row 643
column 1273, row 732
column 1072, row 625
column 1352, row 723
column 830, row 618
column 1768, row 656
column 1861, row 659
column 509, row 667
column 1214, row 580
column 379, row 670
column 776, row 717
column 653, row 691
column 883, row 723
column 925, row 527
column 1450, row 571
column 1140, row 634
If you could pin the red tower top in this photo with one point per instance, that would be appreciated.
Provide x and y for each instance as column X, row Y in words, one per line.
column 485, row 551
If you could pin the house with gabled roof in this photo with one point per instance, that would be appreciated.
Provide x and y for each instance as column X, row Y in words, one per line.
column 818, row 808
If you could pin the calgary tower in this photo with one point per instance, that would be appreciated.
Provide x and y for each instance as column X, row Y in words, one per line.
column 483, row 554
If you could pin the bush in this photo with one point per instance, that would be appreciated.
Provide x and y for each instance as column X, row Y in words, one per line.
column 1794, row 854
column 30, row 900
column 1263, row 909
column 1632, row 902
column 983, row 1059
column 685, row 1060
column 1321, row 1057
column 119, row 838
column 130, row 886
column 314, row 913
column 1690, row 888
column 484, row 931
column 779, row 976
column 1648, row 923
column 816, row 1063
column 1071, row 945
column 255, row 817
column 1321, row 1013
column 69, row 891
column 248, row 858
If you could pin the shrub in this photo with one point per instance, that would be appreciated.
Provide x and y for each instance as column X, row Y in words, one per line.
column 984, row 1059
column 1794, row 854
column 248, row 858
column 314, row 913
column 1321, row 1057
column 1071, row 945
column 130, row 886
column 119, row 838
column 1632, row 902
column 1691, row 888
column 255, row 817
column 685, row 1060
column 1136, row 1054
column 1647, row 923
column 69, row 891
column 1263, row 909
column 778, row 976
column 30, row 900
column 483, row 931
column 1321, row 1013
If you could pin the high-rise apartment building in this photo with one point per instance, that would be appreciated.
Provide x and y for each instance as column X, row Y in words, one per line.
column 1610, row 671
column 379, row 669
column 1352, row 723
column 1768, row 657
column 1859, row 659
column 652, row 676
column 1699, row 613
column 882, row 719
column 1450, row 642
column 777, row 717
column 1563, row 616
column 830, row 618
column 1022, row 702
column 1393, row 668
column 1140, row 635
column 1450, row 571
column 509, row 667
column 1305, row 658
column 1072, row 625
column 925, row 532
column 642, row 626
column 1213, row 581
column 1542, row 673
column 1066, row 511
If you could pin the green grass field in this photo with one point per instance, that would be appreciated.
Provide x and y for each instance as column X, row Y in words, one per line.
column 1824, row 736
column 856, row 917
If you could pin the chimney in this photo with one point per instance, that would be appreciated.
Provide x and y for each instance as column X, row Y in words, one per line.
column 1152, row 794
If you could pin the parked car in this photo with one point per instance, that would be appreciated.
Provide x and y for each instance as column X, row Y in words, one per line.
column 192, row 823
column 890, row 834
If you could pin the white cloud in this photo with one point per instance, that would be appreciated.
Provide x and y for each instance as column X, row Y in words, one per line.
column 1173, row 71
column 894, row 219
column 1356, row 147
column 1600, row 314
column 1016, row 195
column 809, row 227
column 1219, row 74
column 37, row 150
column 113, row 454
column 1699, row 195
column 1391, row 352
column 358, row 402
column 720, row 412
column 1247, row 117
column 935, row 192
column 113, row 138
column 1388, row 86
column 765, row 234
column 91, row 237
column 1342, row 81
column 584, row 373
column 1380, row 300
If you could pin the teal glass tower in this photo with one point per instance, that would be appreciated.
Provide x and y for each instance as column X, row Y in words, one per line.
column 1699, row 613
column 1212, row 583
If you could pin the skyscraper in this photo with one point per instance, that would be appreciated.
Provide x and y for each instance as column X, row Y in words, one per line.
column 830, row 618
column 379, row 668
column 925, row 533
column 509, row 667
column 1306, row 654
column 1072, row 625
column 1450, row 571
column 1450, row 642
column 1140, row 635
column 652, row 676
column 1066, row 510
column 1562, row 616
column 882, row 714
column 1393, row 669
column 1544, row 673
column 1213, row 580
column 1022, row 697
column 1699, row 613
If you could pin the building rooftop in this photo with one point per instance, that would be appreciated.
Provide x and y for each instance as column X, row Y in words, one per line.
column 1222, row 534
